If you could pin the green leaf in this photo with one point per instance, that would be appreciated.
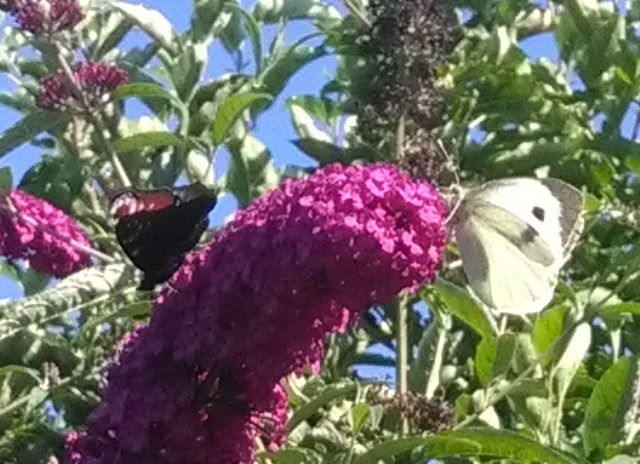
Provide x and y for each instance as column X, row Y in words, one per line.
column 463, row 306
column 505, row 350
column 205, row 15
column 29, row 127
column 9, row 270
column 323, row 152
column 423, row 364
column 58, row 179
column 153, row 23
column 93, row 284
column 283, row 64
column 547, row 330
column 320, row 108
column 253, row 29
column 6, row 179
column 229, row 111
column 133, row 311
column 292, row 456
column 484, row 358
column 22, row 370
column 272, row 11
column 233, row 33
column 37, row 396
column 613, row 406
column 473, row 442
column 144, row 91
column 20, row 102
column 328, row 394
column 305, row 125
column 619, row 309
column 277, row 11
column 112, row 33
column 154, row 139
column 621, row 459
column 493, row 358
column 33, row 281
column 358, row 418
column 251, row 172
column 187, row 69
column 574, row 351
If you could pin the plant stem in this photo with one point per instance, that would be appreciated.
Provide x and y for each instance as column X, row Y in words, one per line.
column 444, row 326
column 95, row 120
column 353, row 9
column 402, row 343
column 402, row 306
column 402, row 348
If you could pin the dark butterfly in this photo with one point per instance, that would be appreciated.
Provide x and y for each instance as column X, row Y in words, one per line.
column 156, row 228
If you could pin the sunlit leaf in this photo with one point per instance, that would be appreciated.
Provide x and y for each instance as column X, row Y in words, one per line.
column 152, row 22
column 496, row 444
column 359, row 416
column 612, row 410
column 142, row 140
column 292, row 456
column 6, row 179
column 253, row 29
column 21, row 370
column 547, row 330
column 143, row 90
column 252, row 171
column 203, row 20
column 459, row 303
column 58, row 180
column 329, row 393
column 29, row 127
column 230, row 110
column 134, row 312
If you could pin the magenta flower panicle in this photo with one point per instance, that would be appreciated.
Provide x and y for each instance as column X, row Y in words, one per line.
column 23, row 235
column 94, row 80
column 201, row 382
column 45, row 17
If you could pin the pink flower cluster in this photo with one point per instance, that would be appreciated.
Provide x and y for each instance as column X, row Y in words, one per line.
column 93, row 79
column 202, row 381
column 44, row 16
column 44, row 252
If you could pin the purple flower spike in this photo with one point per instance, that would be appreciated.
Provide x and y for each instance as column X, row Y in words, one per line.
column 46, row 253
column 45, row 16
column 202, row 382
column 94, row 81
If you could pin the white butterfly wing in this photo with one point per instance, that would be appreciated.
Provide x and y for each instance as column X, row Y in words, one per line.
column 500, row 274
column 513, row 236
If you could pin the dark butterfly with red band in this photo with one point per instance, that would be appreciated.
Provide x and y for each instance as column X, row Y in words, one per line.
column 157, row 228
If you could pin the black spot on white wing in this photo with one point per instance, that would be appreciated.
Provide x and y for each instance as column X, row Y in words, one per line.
column 570, row 200
column 538, row 213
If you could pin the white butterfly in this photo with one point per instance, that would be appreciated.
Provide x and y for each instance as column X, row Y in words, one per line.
column 513, row 236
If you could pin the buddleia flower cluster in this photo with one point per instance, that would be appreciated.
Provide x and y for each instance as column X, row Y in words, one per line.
column 202, row 382
column 406, row 41
column 431, row 415
column 44, row 17
column 93, row 81
column 24, row 224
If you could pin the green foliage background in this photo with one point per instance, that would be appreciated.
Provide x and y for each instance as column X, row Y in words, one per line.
column 562, row 387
